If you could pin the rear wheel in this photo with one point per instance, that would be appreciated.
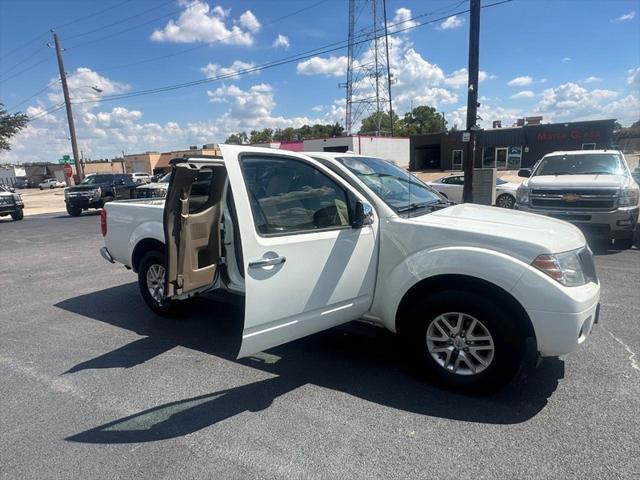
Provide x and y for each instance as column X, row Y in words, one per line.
column 18, row 214
column 465, row 341
column 624, row 243
column 505, row 201
column 151, row 281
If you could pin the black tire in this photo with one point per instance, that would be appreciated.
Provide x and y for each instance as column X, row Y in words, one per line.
column 505, row 201
column 162, row 308
column 107, row 199
column 18, row 215
column 51, row 187
column 41, row 188
column 624, row 243
column 509, row 340
column 74, row 211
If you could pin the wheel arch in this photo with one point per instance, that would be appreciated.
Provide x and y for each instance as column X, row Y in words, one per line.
column 142, row 247
column 443, row 282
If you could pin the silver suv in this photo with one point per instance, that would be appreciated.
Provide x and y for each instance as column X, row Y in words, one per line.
column 592, row 189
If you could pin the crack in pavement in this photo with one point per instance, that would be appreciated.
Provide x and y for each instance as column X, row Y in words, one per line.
column 632, row 356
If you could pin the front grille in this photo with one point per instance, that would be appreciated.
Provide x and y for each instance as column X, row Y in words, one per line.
column 563, row 204
column 574, row 199
column 6, row 200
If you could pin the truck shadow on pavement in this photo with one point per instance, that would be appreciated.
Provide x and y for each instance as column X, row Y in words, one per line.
column 356, row 359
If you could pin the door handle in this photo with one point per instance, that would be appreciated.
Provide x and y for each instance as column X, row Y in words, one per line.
column 267, row 262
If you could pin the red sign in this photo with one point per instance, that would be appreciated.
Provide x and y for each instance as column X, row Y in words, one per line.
column 68, row 171
column 573, row 135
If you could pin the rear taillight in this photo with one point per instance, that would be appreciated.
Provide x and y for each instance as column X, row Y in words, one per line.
column 103, row 222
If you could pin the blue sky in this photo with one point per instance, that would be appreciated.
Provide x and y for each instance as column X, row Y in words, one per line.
column 565, row 60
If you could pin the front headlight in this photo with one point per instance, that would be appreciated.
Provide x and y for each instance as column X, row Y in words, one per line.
column 66, row 193
column 97, row 192
column 629, row 197
column 564, row 267
column 522, row 194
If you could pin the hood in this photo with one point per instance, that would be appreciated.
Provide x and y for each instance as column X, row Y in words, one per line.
column 81, row 188
column 578, row 181
column 149, row 186
column 520, row 234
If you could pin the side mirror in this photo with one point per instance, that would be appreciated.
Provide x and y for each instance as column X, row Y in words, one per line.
column 524, row 172
column 363, row 215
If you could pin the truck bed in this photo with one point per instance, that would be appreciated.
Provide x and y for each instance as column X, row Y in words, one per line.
column 130, row 220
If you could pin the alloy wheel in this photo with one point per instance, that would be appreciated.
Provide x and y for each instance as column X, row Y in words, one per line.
column 460, row 343
column 155, row 282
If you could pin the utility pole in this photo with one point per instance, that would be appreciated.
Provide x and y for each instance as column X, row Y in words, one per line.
column 67, row 102
column 472, row 98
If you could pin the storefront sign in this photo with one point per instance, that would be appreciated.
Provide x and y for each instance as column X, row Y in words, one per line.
column 572, row 135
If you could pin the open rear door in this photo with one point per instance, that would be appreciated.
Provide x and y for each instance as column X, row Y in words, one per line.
column 192, row 215
column 308, row 264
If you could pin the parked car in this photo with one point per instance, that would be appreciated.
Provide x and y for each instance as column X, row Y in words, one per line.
column 96, row 190
column 51, row 183
column 140, row 178
column 11, row 203
column 319, row 239
column 23, row 183
column 154, row 189
column 451, row 187
column 636, row 175
column 592, row 189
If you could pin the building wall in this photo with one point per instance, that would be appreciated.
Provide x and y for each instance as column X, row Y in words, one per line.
column 141, row 162
column 7, row 175
column 328, row 144
column 395, row 149
column 524, row 145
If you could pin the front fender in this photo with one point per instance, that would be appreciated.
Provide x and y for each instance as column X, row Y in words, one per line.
column 146, row 230
column 488, row 265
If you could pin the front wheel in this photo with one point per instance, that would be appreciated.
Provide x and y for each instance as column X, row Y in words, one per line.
column 465, row 342
column 74, row 211
column 151, row 281
column 505, row 201
column 18, row 215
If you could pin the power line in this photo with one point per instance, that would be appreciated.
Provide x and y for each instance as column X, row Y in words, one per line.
column 126, row 19
column 35, row 94
column 286, row 60
column 198, row 47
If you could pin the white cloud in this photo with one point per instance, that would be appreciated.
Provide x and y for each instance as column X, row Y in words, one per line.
column 199, row 23
column 249, row 21
column 401, row 20
column 281, row 41
column 452, row 22
column 331, row 66
column 487, row 113
column 571, row 101
column 592, row 79
column 318, row 108
column 626, row 17
column 460, row 78
column 520, row 81
column 566, row 59
column 634, row 76
column 215, row 70
column 523, row 94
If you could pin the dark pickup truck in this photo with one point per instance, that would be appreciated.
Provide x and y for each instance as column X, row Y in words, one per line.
column 96, row 190
column 10, row 203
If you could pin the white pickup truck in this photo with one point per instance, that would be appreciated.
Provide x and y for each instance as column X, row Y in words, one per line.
column 316, row 240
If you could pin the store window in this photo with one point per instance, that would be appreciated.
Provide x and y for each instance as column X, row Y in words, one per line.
column 514, row 160
column 489, row 157
column 588, row 146
column 456, row 160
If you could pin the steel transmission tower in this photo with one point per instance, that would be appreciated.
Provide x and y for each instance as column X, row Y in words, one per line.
column 368, row 72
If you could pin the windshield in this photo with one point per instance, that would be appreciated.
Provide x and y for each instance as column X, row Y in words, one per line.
column 581, row 164
column 94, row 179
column 396, row 187
column 165, row 178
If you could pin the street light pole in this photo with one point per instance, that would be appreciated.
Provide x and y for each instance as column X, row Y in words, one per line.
column 67, row 102
column 472, row 98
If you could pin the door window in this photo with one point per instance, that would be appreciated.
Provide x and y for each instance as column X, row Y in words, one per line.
column 514, row 159
column 456, row 160
column 202, row 193
column 489, row 157
column 290, row 196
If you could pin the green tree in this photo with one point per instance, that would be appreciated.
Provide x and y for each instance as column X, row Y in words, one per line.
column 10, row 125
column 237, row 138
column 380, row 123
column 423, row 119
column 264, row 136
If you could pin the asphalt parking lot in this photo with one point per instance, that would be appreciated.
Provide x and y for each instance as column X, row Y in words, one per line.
column 94, row 385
